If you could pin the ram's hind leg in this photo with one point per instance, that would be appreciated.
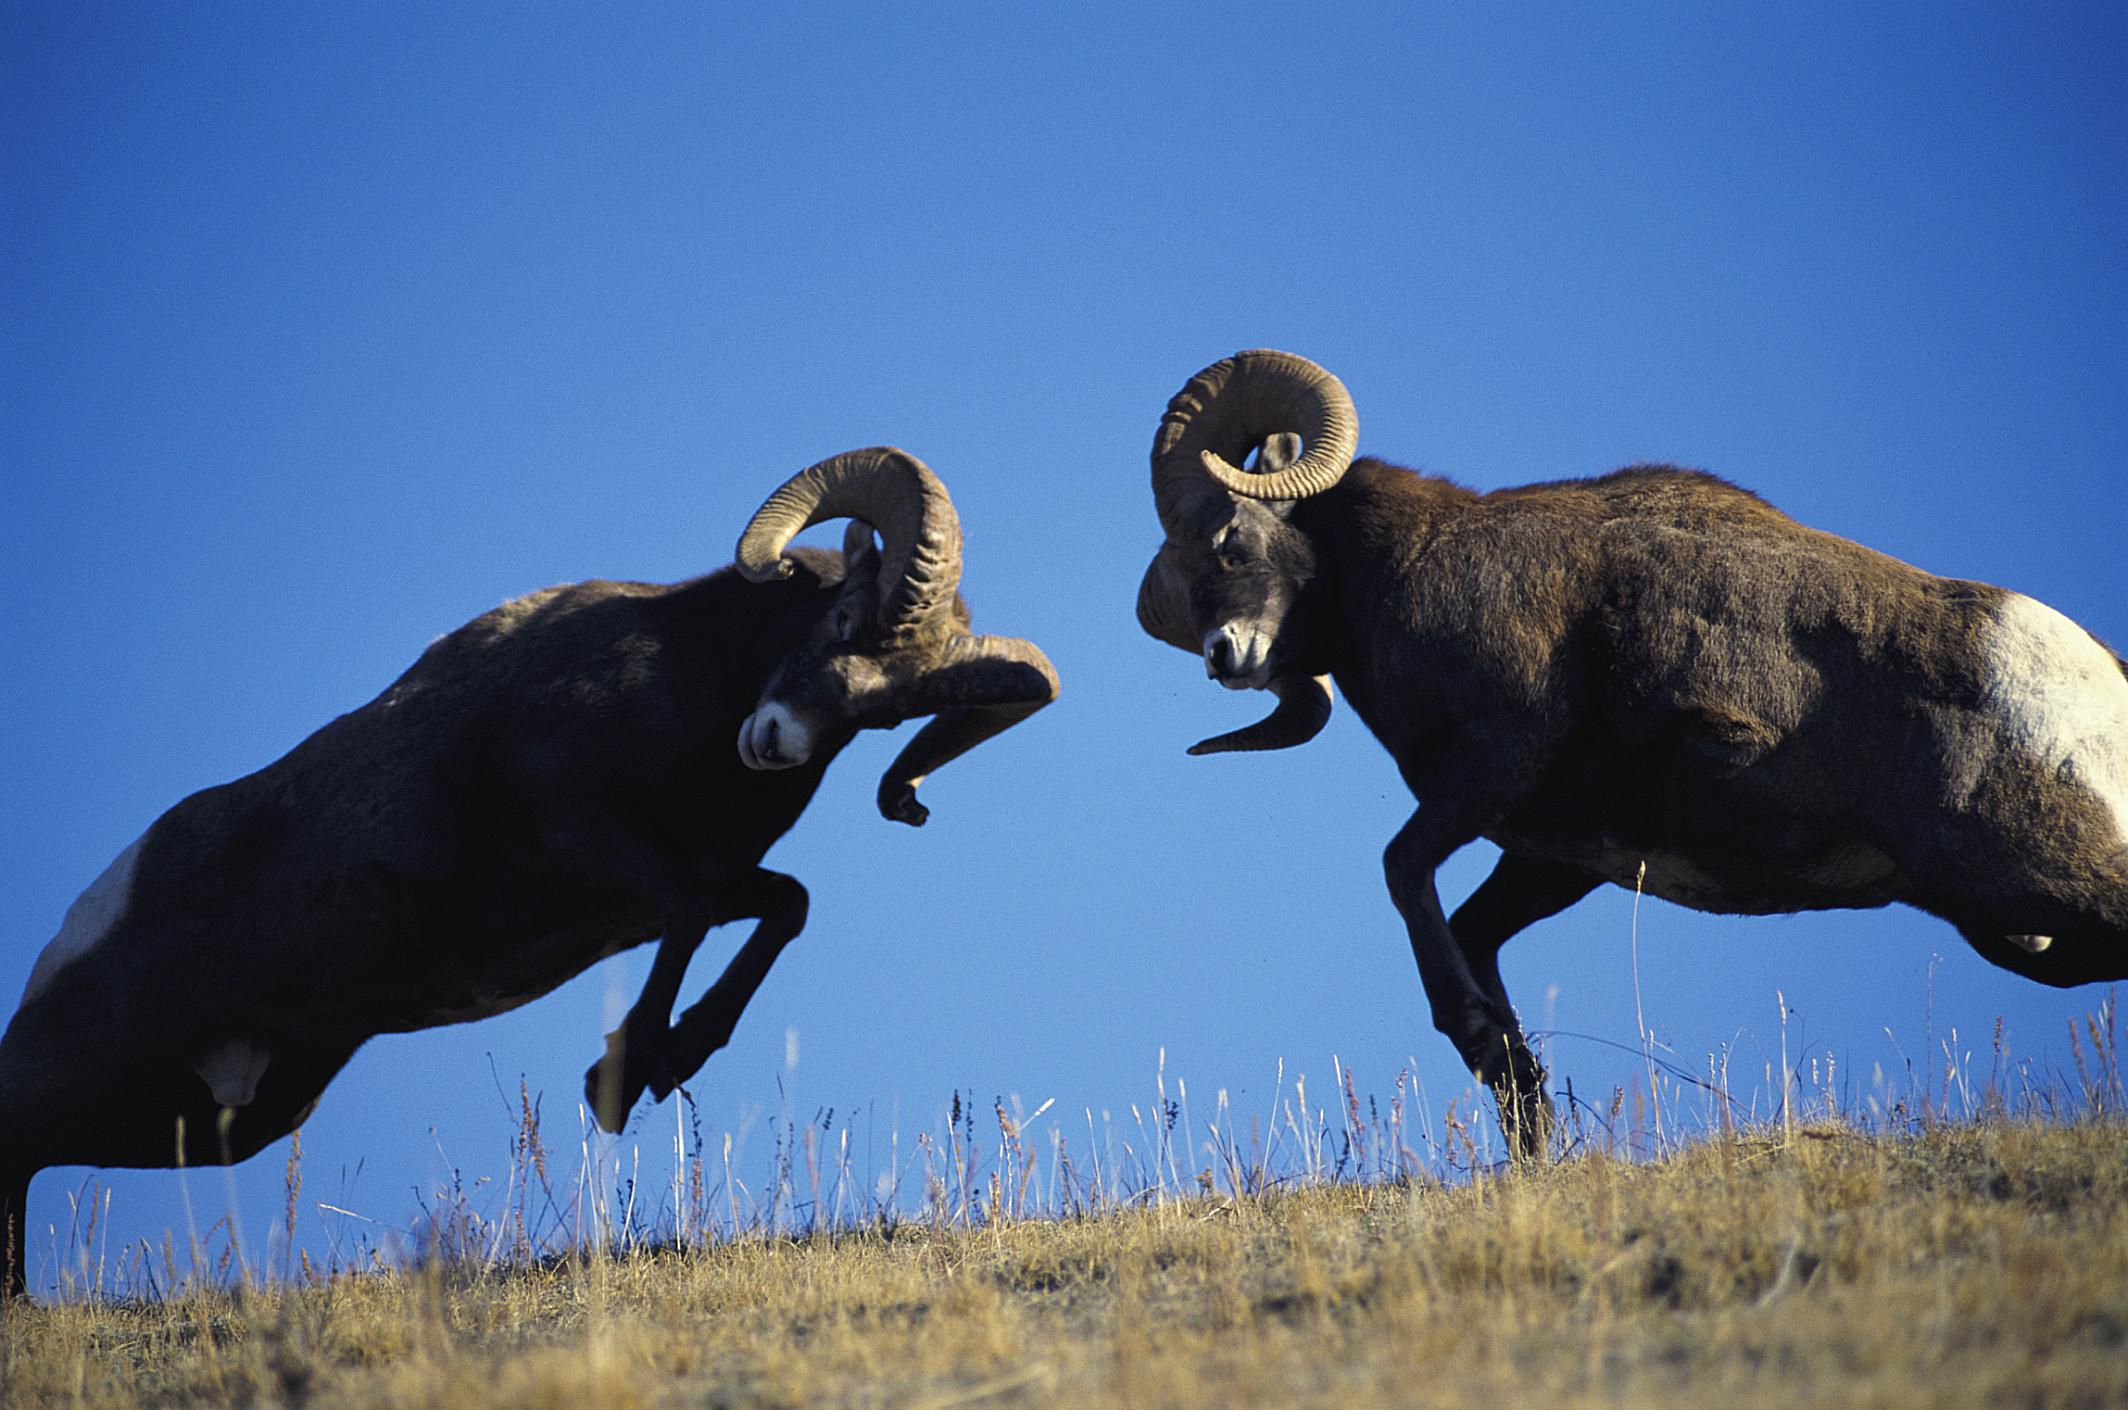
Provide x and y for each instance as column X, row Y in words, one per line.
column 2057, row 920
column 1519, row 892
column 2063, row 960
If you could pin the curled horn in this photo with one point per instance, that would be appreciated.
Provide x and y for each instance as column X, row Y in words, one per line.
column 1303, row 701
column 1227, row 410
column 986, row 685
column 1164, row 604
column 889, row 489
column 1303, row 709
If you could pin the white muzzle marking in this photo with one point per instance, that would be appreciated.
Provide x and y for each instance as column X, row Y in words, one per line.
column 1238, row 656
column 773, row 738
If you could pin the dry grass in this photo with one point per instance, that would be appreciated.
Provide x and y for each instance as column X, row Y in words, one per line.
column 1981, row 1263
column 1963, row 1241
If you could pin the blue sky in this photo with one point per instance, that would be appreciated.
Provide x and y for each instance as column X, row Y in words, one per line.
column 329, row 328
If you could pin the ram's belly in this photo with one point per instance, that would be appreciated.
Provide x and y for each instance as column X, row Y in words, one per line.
column 437, row 959
column 492, row 981
column 1791, row 869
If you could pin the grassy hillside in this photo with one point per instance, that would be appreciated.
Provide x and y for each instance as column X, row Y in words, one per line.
column 1962, row 1264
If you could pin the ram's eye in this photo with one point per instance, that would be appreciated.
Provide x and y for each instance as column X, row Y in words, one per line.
column 1229, row 560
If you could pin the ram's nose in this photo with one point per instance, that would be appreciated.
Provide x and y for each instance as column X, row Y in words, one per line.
column 1219, row 658
column 773, row 738
column 1237, row 657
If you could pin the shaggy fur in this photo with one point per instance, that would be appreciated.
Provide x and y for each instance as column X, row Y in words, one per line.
column 1653, row 669
column 549, row 784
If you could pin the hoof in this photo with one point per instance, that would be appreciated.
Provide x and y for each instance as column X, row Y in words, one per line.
column 1517, row 1084
column 629, row 1068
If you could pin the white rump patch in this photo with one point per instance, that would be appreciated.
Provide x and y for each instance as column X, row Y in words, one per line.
column 88, row 920
column 2061, row 698
column 232, row 1071
column 2031, row 944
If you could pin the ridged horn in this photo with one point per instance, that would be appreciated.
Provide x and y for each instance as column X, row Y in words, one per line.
column 896, row 494
column 986, row 685
column 1164, row 605
column 1228, row 409
column 1303, row 709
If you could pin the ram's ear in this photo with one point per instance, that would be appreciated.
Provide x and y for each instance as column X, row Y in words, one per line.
column 857, row 600
column 1277, row 452
column 860, row 554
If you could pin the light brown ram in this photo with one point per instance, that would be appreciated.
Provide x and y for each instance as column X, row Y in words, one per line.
column 1647, row 669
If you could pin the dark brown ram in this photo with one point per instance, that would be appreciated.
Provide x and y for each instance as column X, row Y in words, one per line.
column 1647, row 673
column 551, row 783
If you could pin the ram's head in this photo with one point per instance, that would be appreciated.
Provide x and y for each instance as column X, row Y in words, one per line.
column 896, row 643
column 1242, row 443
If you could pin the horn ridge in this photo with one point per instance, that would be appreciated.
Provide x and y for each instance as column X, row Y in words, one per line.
column 1303, row 708
column 1229, row 408
column 895, row 493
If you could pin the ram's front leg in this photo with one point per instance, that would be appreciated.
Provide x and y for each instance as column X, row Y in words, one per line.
column 637, row 1053
column 691, row 896
column 1472, row 1013
column 707, row 1025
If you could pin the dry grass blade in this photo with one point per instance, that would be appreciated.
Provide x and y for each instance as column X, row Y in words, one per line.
column 1958, row 1264
column 1795, row 1252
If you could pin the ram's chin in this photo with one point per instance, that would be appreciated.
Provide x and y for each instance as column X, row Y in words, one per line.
column 1254, row 677
column 773, row 738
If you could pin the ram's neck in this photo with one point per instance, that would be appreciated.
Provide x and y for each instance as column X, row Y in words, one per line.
column 1367, row 531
